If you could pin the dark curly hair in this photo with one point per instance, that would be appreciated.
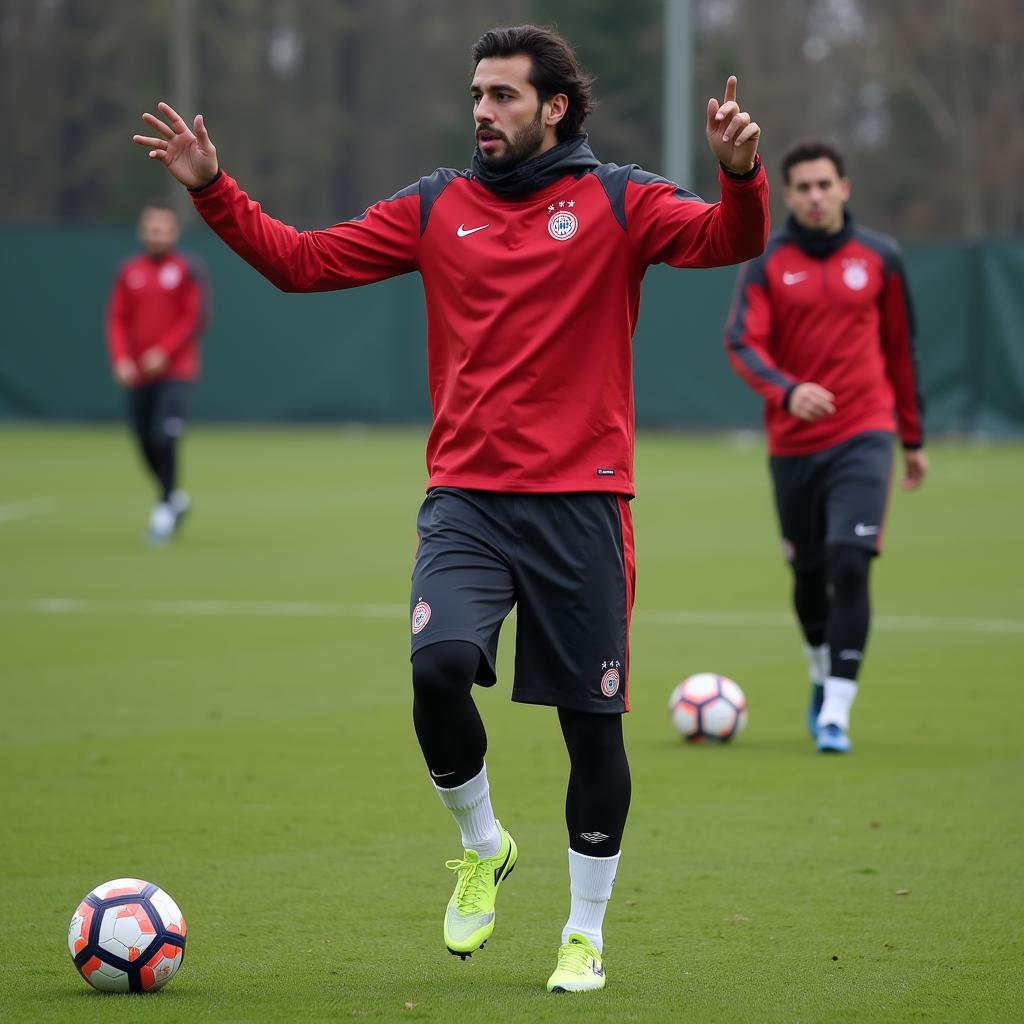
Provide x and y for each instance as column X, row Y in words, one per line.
column 554, row 68
column 812, row 149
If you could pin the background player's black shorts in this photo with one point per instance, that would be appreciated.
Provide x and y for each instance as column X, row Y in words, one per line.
column 564, row 560
column 835, row 496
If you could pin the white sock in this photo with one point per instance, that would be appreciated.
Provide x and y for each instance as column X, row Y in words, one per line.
column 590, row 887
column 179, row 502
column 470, row 805
column 819, row 662
column 839, row 697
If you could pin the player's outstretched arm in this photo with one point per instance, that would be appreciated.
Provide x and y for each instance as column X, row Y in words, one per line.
column 187, row 153
column 732, row 135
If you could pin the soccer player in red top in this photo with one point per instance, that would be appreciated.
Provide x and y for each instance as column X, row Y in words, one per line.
column 156, row 314
column 822, row 328
column 531, row 264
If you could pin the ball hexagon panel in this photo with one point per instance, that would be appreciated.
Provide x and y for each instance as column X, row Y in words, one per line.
column 126, row 931
column 718, row 718
column 169, row 913
column 161, row 967
column 119, row 887
column 104, row 976
column 78, row 930
column 701, row 686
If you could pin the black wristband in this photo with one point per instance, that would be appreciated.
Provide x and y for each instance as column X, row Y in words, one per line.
column 743, row 175
column 788, row 395
column 201, row 188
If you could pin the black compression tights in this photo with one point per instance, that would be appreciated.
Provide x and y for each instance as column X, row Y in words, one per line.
column 833, row 605
column 597, row 800
column 453, row 741
column 448, row 725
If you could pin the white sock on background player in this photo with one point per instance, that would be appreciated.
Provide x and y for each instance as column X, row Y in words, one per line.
column 839, row 697
column 470, row 805
column 818, row 662
column 590, row 888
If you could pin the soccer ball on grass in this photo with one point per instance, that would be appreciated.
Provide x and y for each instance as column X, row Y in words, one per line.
column 707, row 706
column 127, row 936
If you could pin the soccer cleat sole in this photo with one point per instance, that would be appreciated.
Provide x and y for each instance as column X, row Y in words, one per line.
column 464, row 956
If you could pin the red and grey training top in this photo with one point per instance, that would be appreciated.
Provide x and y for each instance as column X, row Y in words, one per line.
column 159, row 302
column 531, row 302
column 834, row 310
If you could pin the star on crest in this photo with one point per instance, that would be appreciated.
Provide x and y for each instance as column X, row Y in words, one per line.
column 572, row 203
column 561, row 202
column 551, row 208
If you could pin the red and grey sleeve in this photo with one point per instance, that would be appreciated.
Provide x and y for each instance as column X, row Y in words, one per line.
column 383, row 242
column 117, row 339
column 898, row 331
column 748, row 334
column 670, row 225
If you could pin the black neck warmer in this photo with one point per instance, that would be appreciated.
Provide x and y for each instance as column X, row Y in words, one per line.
column 816, row 243
column 568, row 156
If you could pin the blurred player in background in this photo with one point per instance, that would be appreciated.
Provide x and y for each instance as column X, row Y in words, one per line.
column 822, row 328
column 531, row 264
column 157, row 312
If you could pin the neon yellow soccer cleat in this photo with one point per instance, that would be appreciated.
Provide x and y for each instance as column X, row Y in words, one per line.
column 469, row 919
column 579, row 967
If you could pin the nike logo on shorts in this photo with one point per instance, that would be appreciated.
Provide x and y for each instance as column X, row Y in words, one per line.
column 865, row 531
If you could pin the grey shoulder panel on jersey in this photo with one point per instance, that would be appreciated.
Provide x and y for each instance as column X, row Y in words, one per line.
column 614, row 179
column 886, row 247
column 430, row 189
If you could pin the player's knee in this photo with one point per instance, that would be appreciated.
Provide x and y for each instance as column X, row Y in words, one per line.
column 848, row 568
column 590, row 736
column 444, row 670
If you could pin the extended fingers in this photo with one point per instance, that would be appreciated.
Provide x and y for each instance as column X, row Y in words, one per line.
column 177, row 124
column 146, row 140
column 155, row 122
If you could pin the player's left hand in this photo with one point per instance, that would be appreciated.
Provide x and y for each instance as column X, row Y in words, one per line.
column 916, row 467
column 732, row 136
column 153, row 361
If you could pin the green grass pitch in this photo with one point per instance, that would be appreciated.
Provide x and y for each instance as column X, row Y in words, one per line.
column 230, row 718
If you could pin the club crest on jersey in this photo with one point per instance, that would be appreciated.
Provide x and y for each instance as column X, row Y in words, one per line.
column 420, row 617
column 610, row 682
column 170, row 276
column 562, row 225
column 855, row 274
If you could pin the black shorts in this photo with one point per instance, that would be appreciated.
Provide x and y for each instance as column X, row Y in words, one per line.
column 835, row 496
column 565, row 561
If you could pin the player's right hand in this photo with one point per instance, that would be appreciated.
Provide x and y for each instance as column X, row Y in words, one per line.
column 186, row 152
column 811, row 402
column 126, row 373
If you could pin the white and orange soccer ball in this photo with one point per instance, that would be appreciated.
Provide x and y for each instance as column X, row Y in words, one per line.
column 127, row 936
column 707, row 706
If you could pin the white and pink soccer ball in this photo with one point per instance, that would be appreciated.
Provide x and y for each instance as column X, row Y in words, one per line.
column 127, row 936
column 707, row 706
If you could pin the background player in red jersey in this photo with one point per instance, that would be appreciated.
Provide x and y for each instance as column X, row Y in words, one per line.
column 822, row 327
column 156, row 314
column 531, row 264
